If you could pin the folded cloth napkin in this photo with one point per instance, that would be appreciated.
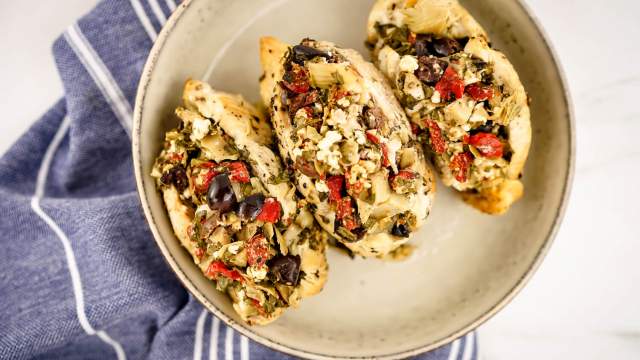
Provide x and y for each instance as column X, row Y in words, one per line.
column 80, row 275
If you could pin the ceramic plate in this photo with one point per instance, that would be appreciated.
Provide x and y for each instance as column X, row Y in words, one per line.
column 467, row 265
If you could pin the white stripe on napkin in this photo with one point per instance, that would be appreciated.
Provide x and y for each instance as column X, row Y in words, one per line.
column 157, row 11
column 101, row 76
column 171, row 5
column 213, row 338
column 76, row 282
column 244, row 348
column 467, row 353
column 455, row 350
column 199, row 332
column 144, row 20
column 228, row 344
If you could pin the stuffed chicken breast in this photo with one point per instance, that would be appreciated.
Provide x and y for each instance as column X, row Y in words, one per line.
column 234, row 209
column 464, row 98
column 348, row 142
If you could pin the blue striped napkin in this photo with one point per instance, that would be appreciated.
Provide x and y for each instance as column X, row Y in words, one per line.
column 80, row 275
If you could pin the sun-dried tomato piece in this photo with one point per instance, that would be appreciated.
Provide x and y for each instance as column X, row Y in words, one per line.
column 218, row 268
column 479, row 93
column 302, row 100
column 345, row 213
column 488, row 145
column 435, row 135
column 335, row 185
column 460, row 165
column 238, row 171
column 257, row 250
column 297, row 80
column 270, row 211
column 450, row 84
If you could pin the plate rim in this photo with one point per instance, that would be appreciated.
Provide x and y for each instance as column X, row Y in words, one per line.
column 244, row 329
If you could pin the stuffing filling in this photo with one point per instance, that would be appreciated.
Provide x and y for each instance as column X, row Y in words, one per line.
column 345, row 148
column 239, row 236
column 455, row 104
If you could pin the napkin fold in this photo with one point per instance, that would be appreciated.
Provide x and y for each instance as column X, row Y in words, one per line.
column 80, row 274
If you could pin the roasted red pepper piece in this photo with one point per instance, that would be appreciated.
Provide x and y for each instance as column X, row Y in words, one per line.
column 238, row 171
column 450, row 84
column 460, row 166
column 488, row 145
column 175, row 157
column 258, row 307
column 383, row 147
column 480, row 93
column 218, row 268
column 385, row 155
column 402, row 174
column 207, row 165
column 335, row 185
column 302, row 100
column 257, row 250
column 270, row 211
column 297, row 80
column 435, row 134
column 344, row 213
column 405, row 174
column 206, row 175
column 373, row 138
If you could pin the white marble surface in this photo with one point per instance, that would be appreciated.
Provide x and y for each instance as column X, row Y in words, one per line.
column 584, row 303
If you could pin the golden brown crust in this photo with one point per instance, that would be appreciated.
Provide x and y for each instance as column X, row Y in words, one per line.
column 496, row 200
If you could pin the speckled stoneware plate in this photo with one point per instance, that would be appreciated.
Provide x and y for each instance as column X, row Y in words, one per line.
column 467, row 266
